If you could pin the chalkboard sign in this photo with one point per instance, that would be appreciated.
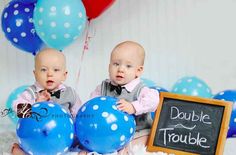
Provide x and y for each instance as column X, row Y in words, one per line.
column 189, row 125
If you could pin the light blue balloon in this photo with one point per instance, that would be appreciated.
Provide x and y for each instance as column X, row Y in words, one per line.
column 193, row 86
column 59, row 22
column 101, row 127
column 13, row 96
column 159, row 89
column 148, row 83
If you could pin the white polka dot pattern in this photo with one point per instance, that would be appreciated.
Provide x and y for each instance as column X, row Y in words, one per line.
column 114, row 127
column 104, row 114
column 95, row 107
column 51, row 105
column 36, row 105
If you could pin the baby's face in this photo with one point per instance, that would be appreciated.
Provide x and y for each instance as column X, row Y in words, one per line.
column 125, row 65
column 50, row 69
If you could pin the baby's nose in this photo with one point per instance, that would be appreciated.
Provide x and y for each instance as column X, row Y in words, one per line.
column 121, row 68
column 50, row 73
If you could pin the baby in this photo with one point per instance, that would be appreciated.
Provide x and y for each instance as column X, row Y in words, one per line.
column 50, row 73
column 125, row 68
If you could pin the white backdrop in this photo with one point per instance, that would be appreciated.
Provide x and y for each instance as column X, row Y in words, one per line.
column 181, row 38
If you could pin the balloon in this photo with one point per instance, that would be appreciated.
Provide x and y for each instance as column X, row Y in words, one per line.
column 229, row 95
column 59, row 23
column 100, row 127
column 49, row 130
column 26, row 1
column 18, row 27
column 148, row 83
column 13, row 96
column 96, row 7
column 159, row 89
column 193, row 86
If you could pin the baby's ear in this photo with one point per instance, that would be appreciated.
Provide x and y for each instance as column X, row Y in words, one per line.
column 139, row 71
column 65, row 75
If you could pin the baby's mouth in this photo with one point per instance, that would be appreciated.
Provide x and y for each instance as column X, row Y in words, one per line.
column 119, row 77
column 50, row 82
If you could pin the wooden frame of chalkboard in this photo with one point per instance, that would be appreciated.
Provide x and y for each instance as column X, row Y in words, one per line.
column 189, row 125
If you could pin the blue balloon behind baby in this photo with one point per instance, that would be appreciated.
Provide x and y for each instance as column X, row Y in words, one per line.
column 229, row 95
column 159, row 89
column 18, row 26
column 148, row 82
column 27, row 1
column 59, row 22
column 101, row 127
column 13, row 96
column 49, row 130
column 193, row 86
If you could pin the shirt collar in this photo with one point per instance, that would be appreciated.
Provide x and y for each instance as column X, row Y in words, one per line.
column 131, row 85
column 39, row 87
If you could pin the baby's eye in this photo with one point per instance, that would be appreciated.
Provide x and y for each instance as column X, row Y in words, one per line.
column 116, row 64
column 43, row 69
column 129, row 66
column 56, row 70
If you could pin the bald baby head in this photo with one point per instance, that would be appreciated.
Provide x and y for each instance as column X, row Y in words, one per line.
column 131, row 48
column 50, row 55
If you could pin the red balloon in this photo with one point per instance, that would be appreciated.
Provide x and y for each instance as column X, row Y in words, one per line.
column 95, row 7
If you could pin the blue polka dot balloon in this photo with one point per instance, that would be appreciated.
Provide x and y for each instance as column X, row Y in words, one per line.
column 49, row 130
column 229, row 95
column 27, row 1
column 101, row 127
column 18, row 26
column 192, row 86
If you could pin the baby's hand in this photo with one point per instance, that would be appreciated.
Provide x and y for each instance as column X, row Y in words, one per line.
column 43, row 96
column 125, row 106
column 16, row 150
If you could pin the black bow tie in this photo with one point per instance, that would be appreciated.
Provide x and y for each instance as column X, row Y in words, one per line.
column 57, row 93
column 117, row 88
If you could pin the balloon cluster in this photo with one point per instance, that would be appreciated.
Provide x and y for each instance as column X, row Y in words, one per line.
column 30, row 24
column 99, row 127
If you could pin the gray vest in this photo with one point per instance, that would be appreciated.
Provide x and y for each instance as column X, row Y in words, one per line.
column 67, row 97
column 143, row 121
